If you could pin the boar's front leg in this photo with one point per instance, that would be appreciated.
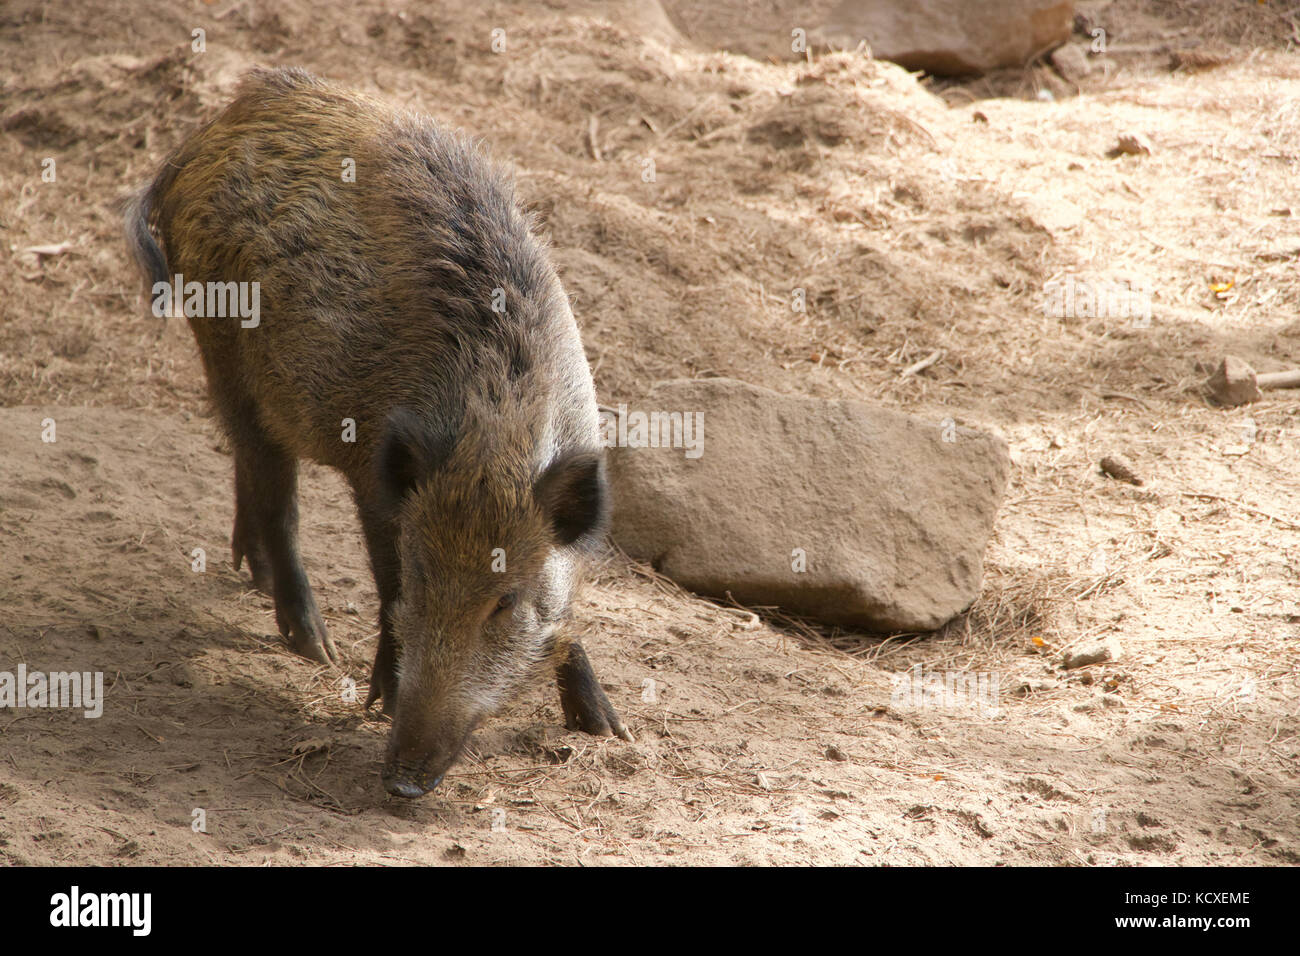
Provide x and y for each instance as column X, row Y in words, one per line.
column 586, row 707
column 266, row 531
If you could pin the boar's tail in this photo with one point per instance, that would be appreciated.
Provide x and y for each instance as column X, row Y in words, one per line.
column 144, row 249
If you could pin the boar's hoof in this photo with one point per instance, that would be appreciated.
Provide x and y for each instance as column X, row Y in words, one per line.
column 303, row 628
column 407, row 782
column 586, row 707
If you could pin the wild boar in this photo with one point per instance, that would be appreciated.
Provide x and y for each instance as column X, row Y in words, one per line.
column 413, row 334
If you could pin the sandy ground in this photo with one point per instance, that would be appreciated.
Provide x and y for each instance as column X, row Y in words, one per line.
column 919, row 217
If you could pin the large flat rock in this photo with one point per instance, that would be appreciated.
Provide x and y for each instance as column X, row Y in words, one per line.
column 837, row 510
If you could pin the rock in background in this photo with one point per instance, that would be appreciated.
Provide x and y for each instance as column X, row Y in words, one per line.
column 950, row 37
column 888, row 513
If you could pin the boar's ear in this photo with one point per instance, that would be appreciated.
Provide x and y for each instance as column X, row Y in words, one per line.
column 412, row 448
column 573, row 495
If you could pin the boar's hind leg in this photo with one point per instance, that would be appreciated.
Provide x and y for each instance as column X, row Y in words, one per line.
column 386, row 565
column 266, row 524
column 585, row 705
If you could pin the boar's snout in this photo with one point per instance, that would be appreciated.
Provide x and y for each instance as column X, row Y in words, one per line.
column 420, row 751
column 413, row 773
column 403, row 780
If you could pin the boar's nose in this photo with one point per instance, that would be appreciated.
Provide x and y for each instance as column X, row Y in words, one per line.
column 406, row 788
column 409, row 782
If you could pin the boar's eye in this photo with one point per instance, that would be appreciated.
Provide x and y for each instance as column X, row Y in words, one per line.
column 507, row 602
